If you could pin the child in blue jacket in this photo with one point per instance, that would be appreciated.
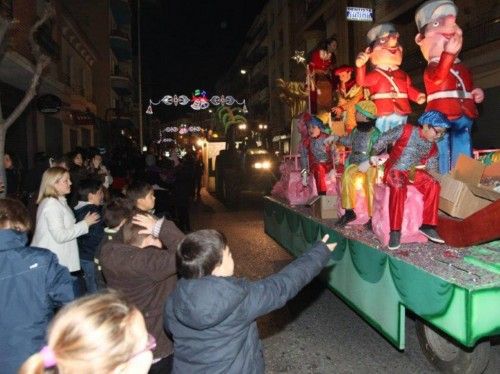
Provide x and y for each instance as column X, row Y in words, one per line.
column 211, row 314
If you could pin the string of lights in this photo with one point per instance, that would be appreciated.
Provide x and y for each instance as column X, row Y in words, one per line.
column 199, row 101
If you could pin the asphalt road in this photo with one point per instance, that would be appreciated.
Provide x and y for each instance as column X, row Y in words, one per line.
column 315, row 332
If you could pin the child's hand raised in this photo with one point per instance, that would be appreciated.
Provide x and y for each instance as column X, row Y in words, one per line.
column 148, row 222
column 331, row 246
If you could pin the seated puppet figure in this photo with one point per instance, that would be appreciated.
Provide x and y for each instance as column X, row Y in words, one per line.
column 414, row 150
column 320, row 79
column 349, row 94
column 316, row 156
column 360, row 140
column 448, row 81
column 389, row 86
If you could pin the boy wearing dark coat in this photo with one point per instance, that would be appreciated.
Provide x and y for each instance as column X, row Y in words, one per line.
column 90, row 196
column 211, row 314
column 115, row 214
column 142, row 267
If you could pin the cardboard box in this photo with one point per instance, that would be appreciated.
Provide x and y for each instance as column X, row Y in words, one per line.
column 461, row 192
column 324, row 207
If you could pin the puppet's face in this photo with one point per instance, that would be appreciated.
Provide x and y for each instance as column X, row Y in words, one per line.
column 345, row 76
column 435, row 35
column 332, row 47
column 314, row 131
column 325, row 55
column 433, row 134
column 360, row 117
column 387, row 51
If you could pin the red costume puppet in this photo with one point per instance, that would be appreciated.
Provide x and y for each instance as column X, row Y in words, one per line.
column 390, row 87
column 448, row 82
column 315, row 155
column 414, row 149
column 320, row 76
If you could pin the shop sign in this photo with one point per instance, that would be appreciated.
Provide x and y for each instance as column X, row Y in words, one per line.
column 48, row 104
column 359, row 14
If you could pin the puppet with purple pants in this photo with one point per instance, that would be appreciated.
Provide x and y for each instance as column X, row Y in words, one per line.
column 448, row 82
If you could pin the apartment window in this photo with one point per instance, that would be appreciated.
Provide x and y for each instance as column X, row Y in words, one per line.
column 6, row 9
column 68, row 69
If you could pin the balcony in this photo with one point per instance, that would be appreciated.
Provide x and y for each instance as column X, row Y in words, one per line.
column 43, row 36
column 121, row 12
column 120, row 82
column 6, row 9
column 257, row 54
column 120, row 44
column 260, row 97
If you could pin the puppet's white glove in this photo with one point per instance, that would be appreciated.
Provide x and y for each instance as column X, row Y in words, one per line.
column 303, row 173
column 364, row 166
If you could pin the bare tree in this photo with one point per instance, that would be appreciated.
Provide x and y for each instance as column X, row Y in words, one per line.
column 42, row 60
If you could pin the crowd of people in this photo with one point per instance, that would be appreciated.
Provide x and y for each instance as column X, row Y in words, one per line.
column 107, row 278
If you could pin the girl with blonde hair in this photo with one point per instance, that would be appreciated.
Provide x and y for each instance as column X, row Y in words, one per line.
column 98, row 334
column 56, row 227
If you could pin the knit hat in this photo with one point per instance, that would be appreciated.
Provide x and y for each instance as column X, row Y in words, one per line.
column 433, row 9
column 316, row 122
column 367, row 108
column 384, row 29
column 342, row 69
column 434, row 118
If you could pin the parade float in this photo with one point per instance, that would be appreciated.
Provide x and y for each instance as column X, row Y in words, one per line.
column 453, row 289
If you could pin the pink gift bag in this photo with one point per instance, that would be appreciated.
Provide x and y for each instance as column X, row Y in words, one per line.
column 412, row 216
column 290, row 187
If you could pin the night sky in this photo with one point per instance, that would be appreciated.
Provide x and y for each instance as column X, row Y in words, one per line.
column 190, row 44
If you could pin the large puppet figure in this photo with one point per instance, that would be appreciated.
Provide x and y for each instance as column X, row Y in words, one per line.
column 360, row 140
column 414, row 148
column 390, row 87
column 316, row 156
column 348, row 94
column 447, row 81
column 320, row 76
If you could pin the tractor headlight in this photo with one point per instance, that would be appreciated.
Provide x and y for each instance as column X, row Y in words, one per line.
column 262, row 165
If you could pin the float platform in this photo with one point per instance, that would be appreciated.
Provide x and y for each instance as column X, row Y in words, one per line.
column 456, row 290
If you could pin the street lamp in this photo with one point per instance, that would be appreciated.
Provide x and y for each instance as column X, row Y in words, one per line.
column 243, row 71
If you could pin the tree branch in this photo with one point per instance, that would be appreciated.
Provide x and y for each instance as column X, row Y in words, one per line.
column 48, row 13
column 42, row 63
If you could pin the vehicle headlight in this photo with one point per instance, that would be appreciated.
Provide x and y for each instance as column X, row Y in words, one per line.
column 262, row 165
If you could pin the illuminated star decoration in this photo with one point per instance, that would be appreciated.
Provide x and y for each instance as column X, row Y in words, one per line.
column 199, row 100
column 298, row 57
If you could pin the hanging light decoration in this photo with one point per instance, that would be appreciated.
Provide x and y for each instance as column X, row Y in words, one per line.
column 199, row 101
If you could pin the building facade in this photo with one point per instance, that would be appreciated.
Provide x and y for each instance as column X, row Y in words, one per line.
column 90, row 72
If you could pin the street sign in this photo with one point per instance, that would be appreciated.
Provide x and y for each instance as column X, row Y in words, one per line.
column 359, row 14
column 48, row 104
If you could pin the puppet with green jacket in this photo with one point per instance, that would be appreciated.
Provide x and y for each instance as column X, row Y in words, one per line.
column 358, row 172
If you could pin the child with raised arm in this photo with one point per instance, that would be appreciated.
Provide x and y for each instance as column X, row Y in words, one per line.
column 211, row 314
